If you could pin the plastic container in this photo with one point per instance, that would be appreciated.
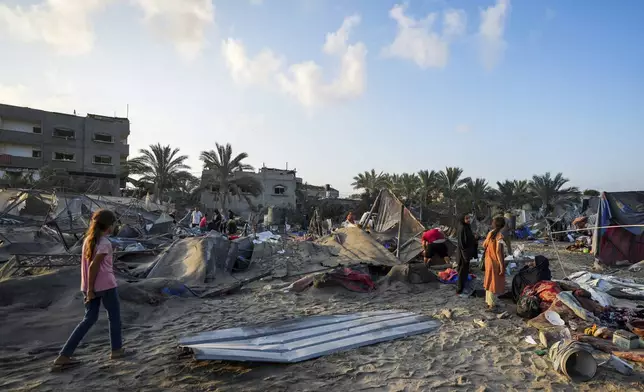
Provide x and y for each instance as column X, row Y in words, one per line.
column 573, row 360
column 625, row 340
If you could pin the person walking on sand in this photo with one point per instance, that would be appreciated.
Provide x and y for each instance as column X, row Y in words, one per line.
column 98, row 284
column 494, row 281
column 467, row 244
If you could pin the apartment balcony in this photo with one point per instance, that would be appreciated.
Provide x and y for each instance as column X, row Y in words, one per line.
column 12, row 161
column 124, row 149
column 16, row 137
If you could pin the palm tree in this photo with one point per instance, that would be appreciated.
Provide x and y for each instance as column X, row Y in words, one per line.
column 223, row 179
column 512, row 194
column 451, row 183
column 591, row 192
column 505, row 195
column 370, row 182
column 478, row 193
column 158, row 165
column 427, row 188
column 408, row 185
column 550, row 191
column 392, row 182
column 522, row 193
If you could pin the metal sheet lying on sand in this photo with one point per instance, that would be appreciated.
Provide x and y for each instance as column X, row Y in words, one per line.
column 306, row 338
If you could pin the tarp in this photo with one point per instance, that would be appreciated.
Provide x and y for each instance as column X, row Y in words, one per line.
column 386, row 223
column 306, row 338
column 351, row 245
column 619, row 243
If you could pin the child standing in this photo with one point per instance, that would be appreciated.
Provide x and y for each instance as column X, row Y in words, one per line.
column 98, row 284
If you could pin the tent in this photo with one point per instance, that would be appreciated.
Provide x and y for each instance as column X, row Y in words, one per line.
column 388, row 213
column 613, row 244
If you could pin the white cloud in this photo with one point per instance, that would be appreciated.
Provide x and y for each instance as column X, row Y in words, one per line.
column 21, row 95
column 259, row 70
column 182, row 22
column 65, row 25
column 491, row 30
column 304, row 81
column 417, row 41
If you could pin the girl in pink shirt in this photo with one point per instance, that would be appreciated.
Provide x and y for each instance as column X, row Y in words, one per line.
column 98, row 284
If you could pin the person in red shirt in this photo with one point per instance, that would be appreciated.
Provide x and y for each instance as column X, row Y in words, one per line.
column 203, row 223
column 433, row 242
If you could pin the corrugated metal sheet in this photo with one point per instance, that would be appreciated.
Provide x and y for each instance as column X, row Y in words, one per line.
column 306, row 338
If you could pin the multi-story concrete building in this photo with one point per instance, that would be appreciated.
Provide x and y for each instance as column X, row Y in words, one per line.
column 320, row 192
column 86, row 148
column 278, row 191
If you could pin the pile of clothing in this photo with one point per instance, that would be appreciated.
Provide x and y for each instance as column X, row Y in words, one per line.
column 350, row 279
column 450, row 276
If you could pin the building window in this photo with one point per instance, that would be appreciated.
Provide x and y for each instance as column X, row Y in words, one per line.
column 63, row 156
column 279, row 190
column 102, row 159
column 37, row 130
column 64, row 133
column 36, row 154
column 103, row 138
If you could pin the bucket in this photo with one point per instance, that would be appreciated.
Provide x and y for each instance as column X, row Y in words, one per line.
column 574, row 360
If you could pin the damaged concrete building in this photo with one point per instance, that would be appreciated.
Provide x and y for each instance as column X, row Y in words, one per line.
column 86, row 148
column 278, row 190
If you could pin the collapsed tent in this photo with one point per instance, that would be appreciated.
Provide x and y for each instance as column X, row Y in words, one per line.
column 390, row 213
column 197, row 260
column 613, row 244
column 351, row 245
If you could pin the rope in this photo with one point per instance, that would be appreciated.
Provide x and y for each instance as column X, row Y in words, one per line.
column 596, row 227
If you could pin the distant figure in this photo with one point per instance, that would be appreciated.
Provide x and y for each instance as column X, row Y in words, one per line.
column 231, row 225
column 215, row 224
column 203, row 223
column 98, row 284
column 494, row 281
column 467, row 244
column 196, row 217
column 350, row 218
column 433, row 242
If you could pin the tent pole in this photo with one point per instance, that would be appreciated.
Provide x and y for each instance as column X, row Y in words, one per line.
column 554, row 245
column 373, row 207
column 402, row 214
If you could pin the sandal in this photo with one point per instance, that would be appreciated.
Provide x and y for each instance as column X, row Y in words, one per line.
column 121, row 354
column 64, row 364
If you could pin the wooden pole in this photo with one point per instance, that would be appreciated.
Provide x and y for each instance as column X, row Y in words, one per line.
column 400, row 222
column 373, row 207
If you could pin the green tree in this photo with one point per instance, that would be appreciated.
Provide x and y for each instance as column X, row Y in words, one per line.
column 512, row 194
column 158, row 165
column 550, row 191
column 428, row 189
column 451, row 184
column 222, row 166
column 408, row 185
column 477, row 193
column 591, row 192
column 370, row 182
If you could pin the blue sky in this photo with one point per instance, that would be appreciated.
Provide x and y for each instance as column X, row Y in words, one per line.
column 501, row 88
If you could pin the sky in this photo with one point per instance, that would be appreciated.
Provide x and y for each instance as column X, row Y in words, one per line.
column 501, row 88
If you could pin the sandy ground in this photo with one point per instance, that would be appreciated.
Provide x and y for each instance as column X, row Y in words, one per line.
column 459, row 357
